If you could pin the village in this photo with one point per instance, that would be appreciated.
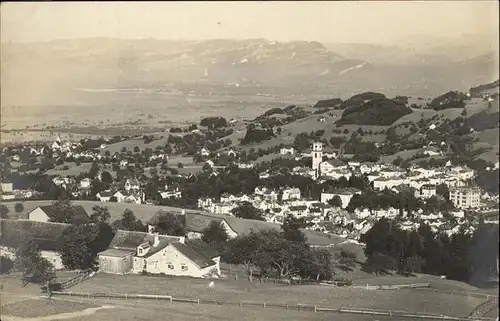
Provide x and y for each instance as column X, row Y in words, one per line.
column 333, row 212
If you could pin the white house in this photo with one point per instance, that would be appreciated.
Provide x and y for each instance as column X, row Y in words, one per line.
column 104, row 196
column 132, row 184
column 85, row 183
column 287, row 151
column 291, row 193
column 6, row 187
column 204, row 152
column 245, row 165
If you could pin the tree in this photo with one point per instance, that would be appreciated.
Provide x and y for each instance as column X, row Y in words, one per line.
column 244, row 250
column 4, row 210
column 442, row 190
column 124, row 149
column 346, row 261
column 94, row 170
column 215, row 235
column 6, row 265
column 100, row 214
column 128, row 220
column 106, row 177
column 247, row 211
column 168, row 223
column 19, row 207
column 321, row 264
column 74, row 247
column 291, row 229
column 336, row 201
column 137, row 149
column 379, row 263
column 63, row 211
column 33, row 266
column 180, row 165
column 414, row 264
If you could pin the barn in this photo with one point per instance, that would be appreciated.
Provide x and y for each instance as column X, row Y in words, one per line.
column 116, row 261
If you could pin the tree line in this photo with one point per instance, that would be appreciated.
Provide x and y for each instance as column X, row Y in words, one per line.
column 391, row 248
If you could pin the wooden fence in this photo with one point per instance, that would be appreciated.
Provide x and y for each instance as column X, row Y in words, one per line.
column 485, row 307
column 393, row 287
column 461, row 293
column 81, row 276
column 265, row 305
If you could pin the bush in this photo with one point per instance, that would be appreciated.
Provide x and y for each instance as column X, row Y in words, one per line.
column 6, row 265
column 19, row 207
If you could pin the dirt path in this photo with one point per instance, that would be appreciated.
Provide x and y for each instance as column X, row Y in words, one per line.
column 61, row 316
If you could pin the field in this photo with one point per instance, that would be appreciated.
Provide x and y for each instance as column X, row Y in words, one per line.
column 241, row 290
column 142, row 212
column 18, row 303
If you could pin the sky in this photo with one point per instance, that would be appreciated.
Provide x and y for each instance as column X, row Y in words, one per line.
column 324, row 21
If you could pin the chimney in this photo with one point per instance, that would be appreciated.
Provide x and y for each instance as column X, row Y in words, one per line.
column 151, row 229
column 157, row 239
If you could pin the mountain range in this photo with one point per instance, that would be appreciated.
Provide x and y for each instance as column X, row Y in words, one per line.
column 43, row 71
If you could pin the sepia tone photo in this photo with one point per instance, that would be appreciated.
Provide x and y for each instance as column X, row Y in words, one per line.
column 240, row 161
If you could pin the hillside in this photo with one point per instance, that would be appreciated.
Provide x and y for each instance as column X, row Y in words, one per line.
column 372, row 109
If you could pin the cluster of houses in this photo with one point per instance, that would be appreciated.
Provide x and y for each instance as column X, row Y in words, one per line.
column 131, row 252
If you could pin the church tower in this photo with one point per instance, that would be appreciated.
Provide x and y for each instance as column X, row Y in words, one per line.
column 317, row 157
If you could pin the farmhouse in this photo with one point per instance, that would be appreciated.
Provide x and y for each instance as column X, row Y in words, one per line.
column 46, row 213
column 138, row 252
column 44, row 235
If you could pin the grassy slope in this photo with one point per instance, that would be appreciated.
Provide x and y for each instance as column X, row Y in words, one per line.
column 242, row 290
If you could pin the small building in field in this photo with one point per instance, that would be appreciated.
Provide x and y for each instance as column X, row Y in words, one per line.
column 46, row 213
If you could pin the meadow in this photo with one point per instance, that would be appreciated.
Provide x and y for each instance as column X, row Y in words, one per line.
column 229, row 290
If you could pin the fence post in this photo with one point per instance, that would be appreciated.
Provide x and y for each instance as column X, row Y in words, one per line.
column 286, row 307
column 198, row 301
column 264, row 305
column 315, row 309
column 241, row 305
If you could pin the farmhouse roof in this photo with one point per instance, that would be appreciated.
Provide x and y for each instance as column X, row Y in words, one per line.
column 201, row 259
column 129, row 240
column 200, row 246
column 79, row 214
column 44, row 234
column 116, row 253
